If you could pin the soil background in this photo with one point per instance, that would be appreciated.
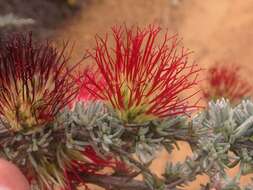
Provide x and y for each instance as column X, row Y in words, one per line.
column 216, row 30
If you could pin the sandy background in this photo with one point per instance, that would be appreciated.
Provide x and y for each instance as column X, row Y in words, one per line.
column 217, row 30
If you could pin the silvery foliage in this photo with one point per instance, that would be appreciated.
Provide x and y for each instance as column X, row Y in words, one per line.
column 103, row 129
column 227, row 183
column 222, row 127
column 220, row 137
column 227, row 142
column 155, row 135
column 147, row 146
column 186, row 171
column 40, row 140
column 92, row 121
column 213, row 134
column 154, row 182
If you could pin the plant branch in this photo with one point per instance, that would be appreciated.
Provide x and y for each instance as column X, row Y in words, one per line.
column 114, row 182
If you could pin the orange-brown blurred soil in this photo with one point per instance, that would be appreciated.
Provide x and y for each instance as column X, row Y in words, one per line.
column 216, row 30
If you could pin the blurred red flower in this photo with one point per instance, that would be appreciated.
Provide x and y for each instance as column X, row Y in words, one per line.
column 140, row 78
column 94, row 167
column 35, row 82
column 225, row 80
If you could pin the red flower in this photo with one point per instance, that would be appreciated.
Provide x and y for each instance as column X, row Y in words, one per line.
column 140, row 79
column 96, row 164
column 35, row 82
column 225, row 81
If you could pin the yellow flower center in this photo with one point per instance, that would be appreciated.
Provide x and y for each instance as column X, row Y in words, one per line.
column 23, row 107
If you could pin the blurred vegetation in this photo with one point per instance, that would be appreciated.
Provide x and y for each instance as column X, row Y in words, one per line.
column 43, row 17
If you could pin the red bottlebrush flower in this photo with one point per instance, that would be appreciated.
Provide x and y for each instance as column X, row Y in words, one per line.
column 99, row 163
column 225, row 81
column 139, row 79
column 35, row 82
column 96, row 165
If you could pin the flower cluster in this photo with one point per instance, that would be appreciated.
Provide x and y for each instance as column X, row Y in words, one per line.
column 35, row 83
column 137, row 79
column 226, row 81
column 140, row 79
